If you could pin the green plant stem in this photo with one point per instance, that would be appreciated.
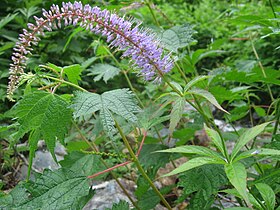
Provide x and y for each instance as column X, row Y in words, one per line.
column 261, row 66
column 64, row 82
column 94, row 148
column 181, row 72
column 277, row 113
column 140, row 168
column 126, row 77
column 272, row 8
column 152, row 12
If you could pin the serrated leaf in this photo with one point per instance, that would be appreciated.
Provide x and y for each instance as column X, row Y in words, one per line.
column 61, row 189
column 204, row 181
column 86, row 164
column 104, row 71
column 177, row 37
column 208, row 96
column 122, row 205
column 73, row 73
column 193, row 163
column 192, row 149
column 267, row 194
column 246, row 137
column 176, row 113
column 237, row 176
column 215, row 137
column 149, row 158
column 120, row 102
column 46, row 116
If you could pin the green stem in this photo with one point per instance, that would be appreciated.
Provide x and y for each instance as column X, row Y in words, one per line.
column 94, row 148
column 65, row 82
column 126, row 77
column 277, row 110
column 140, row 168
column 152, row 12
column 181, row 72
column 261, row 66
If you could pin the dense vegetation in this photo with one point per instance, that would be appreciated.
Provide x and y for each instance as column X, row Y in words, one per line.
column 131, row 87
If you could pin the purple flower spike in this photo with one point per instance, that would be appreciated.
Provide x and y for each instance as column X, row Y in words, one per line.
column 125, row 35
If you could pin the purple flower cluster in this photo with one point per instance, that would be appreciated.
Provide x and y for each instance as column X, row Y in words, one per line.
column 125, row 35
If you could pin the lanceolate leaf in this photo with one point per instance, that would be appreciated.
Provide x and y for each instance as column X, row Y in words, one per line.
column 120, row 102
column 246, row 137
column 194, row 81
column 46, row 116
column 193, row 163
column 215, row 137
column 176, row 113
column 267, row 194
column 253, row 152
column 191, row 149
column 61, row 189
column 237, row 176
column 208, row 96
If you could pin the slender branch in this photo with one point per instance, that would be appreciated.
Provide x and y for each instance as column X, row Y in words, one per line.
column 109, row 169
column 139, row 167
column 63, row 81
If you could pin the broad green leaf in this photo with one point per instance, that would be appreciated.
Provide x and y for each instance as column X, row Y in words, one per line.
column 7, row 19
column 73, row 73
column 215, row 137
column 267, row 194
column 46, row 116
column 150, row 159
column 122, row 205
column 192, row 149
column 104, row 71
column 208, row 96
column 237, row 176
column 61, row 189
column 120, row 102
column 194, row 81
column 86, row 164
column 205, row 181
column 238, row 208
column 246, row 137
column 254, row 152
column 176, row 113
column 193, row 163
column 178, row 37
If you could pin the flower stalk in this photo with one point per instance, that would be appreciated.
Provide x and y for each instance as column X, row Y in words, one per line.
column 126, row 35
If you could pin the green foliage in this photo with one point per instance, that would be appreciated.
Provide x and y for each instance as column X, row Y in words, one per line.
column 122, row 205
column 205, row 181
column 45, row 116
column 53, row 190
column 178, row 37
column 225, row 40
column 120, row 102
column 103, row 71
